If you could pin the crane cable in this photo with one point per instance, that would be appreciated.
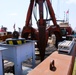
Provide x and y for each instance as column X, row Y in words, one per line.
column 34, row 11
column 46, row 10
column 58, row 10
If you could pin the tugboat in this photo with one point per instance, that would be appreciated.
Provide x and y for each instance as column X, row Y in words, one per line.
column 65, row 28
column 4, row 34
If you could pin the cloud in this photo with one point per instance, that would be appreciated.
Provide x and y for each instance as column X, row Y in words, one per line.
column 71, row 1
column 13, row 14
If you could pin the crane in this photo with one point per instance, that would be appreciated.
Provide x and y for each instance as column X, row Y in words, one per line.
column 43, row 32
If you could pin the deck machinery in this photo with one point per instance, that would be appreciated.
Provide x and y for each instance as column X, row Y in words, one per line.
column 43, row 32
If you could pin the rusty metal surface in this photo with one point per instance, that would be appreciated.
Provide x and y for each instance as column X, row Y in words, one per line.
column 63, row 64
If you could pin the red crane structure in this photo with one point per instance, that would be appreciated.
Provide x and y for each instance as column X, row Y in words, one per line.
column 43, row 32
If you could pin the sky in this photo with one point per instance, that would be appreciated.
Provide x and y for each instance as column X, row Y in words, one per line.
column 15, row 11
